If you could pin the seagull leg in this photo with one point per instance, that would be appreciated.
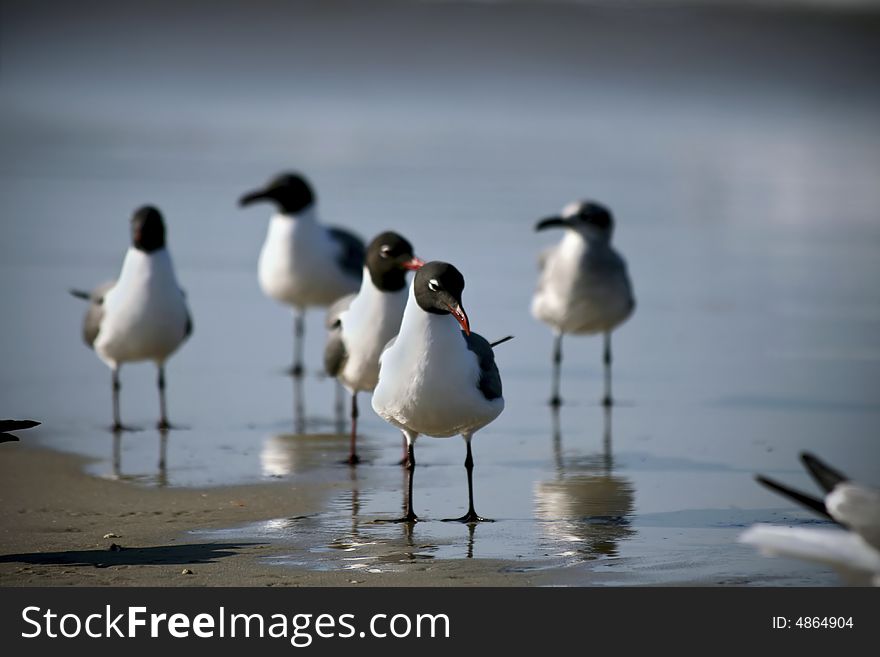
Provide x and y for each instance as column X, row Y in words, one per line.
column 299, row 330
column 116, row 385
column 555, row 399
column 353, row 458
column 404, row 458
column 606, row 400
column 163, row 413
column 410, row 468
column 471, row 516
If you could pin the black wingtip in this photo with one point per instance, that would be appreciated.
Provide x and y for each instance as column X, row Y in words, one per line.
column 808, row 501
column 501, row 341
column 80, row 294
column 7, row 438
column 18, row 425
column 826, row 476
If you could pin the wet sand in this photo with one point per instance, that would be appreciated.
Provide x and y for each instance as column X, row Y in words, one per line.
column 53, row 519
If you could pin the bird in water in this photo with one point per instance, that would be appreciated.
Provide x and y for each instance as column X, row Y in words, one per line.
column 437, row 378
column 142, row 315
column 583, row 286
column 303, row 263
column 362, row 324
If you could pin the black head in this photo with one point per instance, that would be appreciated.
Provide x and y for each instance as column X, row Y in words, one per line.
column 389, row 257
column 587, row 217
column 289, row 191
column 147, row 229
column 437, row 288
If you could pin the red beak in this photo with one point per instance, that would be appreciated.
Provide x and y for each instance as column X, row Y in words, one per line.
column 415, row 263
column 461, row 317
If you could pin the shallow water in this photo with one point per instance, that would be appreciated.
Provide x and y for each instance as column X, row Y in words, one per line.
column 740, row 154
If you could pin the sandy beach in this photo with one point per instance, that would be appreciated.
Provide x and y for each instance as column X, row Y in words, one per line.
column 54, row 519
column 738, row 147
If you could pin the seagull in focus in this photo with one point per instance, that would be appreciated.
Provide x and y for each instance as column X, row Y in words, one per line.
column 853, row 549
column 8, row 426
column 583, row 286
column 304, row 263
column 143, row 314
column 437, row 377
column 362, row 324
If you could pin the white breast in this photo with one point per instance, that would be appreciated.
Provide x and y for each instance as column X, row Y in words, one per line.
column 428, row 378
column 583, row 288
column 145, row 315
column 299, row 265
column 372, row 319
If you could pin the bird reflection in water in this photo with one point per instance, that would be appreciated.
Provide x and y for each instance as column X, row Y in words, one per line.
column 162, row 469
column 586, row 508
column 299, row 406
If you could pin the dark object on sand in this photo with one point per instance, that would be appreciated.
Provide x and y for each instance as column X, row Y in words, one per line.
column 14, row 425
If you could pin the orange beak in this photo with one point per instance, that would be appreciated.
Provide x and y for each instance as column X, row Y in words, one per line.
column 415, row 263
column 461, row 317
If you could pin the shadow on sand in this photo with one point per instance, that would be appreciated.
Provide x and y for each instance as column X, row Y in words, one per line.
column 192, row 553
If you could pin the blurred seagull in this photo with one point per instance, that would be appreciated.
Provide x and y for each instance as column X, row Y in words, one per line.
column 143, row 314
column 7, row 426
column 583, row 286
column 436, row 377
column 853, row 550
column 361, row 325
column 304, row 263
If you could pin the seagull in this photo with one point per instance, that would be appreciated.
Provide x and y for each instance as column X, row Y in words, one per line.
column 143, row 314
column 7, row 426
column 853, row 549
column 436, row 377
column 304, row 263
column 362, row 324
column 583, row 286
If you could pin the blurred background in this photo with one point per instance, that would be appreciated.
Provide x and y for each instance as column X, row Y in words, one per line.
column 738, row 145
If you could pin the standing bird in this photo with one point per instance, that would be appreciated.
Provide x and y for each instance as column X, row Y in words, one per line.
column 853, row 549
column 437, row 378
column 583, row 286
column 143, row 314
column 362, row 325
column 304, row 263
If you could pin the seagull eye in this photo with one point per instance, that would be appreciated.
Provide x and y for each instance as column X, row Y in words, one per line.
column 384, row 251
column 433, row 285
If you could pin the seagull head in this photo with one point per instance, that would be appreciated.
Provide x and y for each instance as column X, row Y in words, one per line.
column 290, row 192
column 147, row 229
column 389, row 257
column 588, row 218
column 437, row 287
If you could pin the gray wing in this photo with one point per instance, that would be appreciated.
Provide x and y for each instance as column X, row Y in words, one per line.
column 95, row 312
column 331, row 319
column 334, row 351
column 490, row 379
column 351, row 258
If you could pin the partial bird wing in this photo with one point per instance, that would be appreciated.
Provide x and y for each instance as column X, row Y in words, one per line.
column 843, row 550
column 808, row 501
column 334, row 351
column 490, row 379
column 857, row 507
column 14, row 425
column 826, row 476
column 95, row 312
column 352, row 253
column 331, row 319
